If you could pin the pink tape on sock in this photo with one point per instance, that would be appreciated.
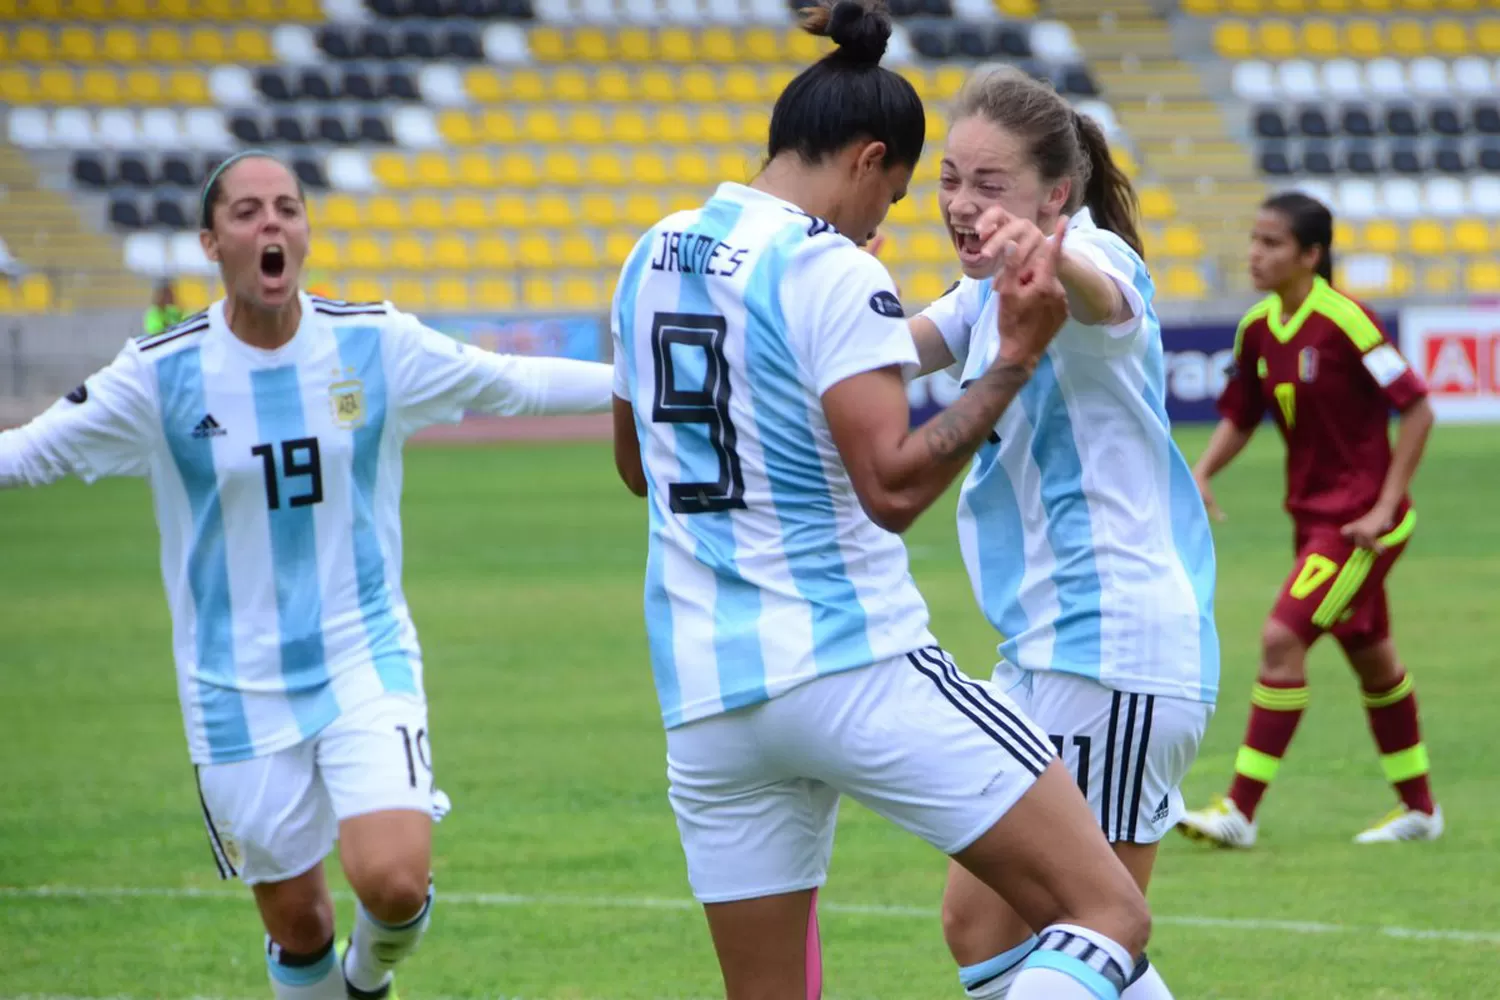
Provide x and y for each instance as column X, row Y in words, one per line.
column 814, row 952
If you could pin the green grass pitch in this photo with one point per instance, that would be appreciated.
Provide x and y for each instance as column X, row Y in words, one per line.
column 559, row 873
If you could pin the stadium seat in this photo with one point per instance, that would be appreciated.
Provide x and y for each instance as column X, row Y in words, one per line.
column 1486, row 117
column 1358, row 199
column 1342, row 79
column 1269, row 124
column 1401, row 120
column 1317, row 159
column 146, row 253
column 1312, row 122
column 1382, row 237
column 1429, row 78
column 1274, row 161
column 185, row 255
column 1406, row 159
column 1471, row 236
column 1360, row 159
column 1445, row 197
column 1472, row 77
column 1386, row 78
column 1482, row 277
column 1484, row 195
column 1402, row 197
column 1254, row 81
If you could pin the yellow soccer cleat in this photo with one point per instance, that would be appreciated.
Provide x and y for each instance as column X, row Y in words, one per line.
column 1221, row 824
column 1404, row 824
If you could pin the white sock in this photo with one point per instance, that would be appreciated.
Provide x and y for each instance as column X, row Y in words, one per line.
column 304, row 977
column 375, row 949
column 1073, row 963
column 991, row 979
column 1146, row 983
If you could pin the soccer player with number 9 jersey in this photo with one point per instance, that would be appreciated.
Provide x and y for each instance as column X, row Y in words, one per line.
column 1321, row 365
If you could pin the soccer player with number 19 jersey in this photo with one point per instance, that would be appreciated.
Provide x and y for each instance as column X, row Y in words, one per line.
column 1320, row 363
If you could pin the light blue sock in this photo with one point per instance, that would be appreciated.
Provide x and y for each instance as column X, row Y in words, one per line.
column 991, row 979
column 1073, row 963
column 304, row 977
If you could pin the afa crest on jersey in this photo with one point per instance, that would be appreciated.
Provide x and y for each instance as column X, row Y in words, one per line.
column 1307, row 364
column 348, row 401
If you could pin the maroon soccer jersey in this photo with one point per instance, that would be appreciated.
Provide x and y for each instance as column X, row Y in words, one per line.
column 1330, row 377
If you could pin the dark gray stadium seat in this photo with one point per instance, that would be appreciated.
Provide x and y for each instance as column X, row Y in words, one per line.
column 1317, row 160
column 1313, row 123
column 310, row 172
column 463, row 43
column 247, row 129
column 390, row 8
column 1443, row 119
column 972, row 44
column 375, row 43
column 275, row 86
column 331, row 129
column 1013, row 41
column 374, row 129
column 170, row 214
column 125, row 213
column 1405, row 159
column 1356, row 122
column 315, row 85
column 1449, row 159
column 1486, row 118
column 288, row 129
column 399, row 86
column 132, row 170
column 932, row 43
column 1077, row 82
column 88, row 170
column 899, row 8
column 359, row 87
column 177, row 171
column 1489, row 158
column 937, row 8
column 1269, row 124
column 419, row 43
column 1273, row 160
column 1359, row 158
column 1401, row 120
column 518, row 10
column 338, row 43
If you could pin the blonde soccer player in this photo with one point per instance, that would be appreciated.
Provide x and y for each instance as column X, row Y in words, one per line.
column 270, row 428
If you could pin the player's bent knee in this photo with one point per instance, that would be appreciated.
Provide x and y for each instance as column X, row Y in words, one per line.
column 1282, row 654
column 392, row 894
column 302, row 929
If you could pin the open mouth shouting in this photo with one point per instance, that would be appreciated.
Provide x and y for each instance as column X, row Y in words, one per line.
column 273, row 260
column 968, row 244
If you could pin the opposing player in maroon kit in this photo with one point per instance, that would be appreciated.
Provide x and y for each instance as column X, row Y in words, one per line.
column 1321, row 364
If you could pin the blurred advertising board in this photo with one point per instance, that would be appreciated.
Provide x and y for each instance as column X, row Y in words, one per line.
column 1457, row 350
column 577, row 337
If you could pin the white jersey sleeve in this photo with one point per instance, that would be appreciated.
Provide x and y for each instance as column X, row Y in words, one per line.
column 437, row 379
column 956, row 312
column 105, row 427
column 1120, row 264
column 843, row 316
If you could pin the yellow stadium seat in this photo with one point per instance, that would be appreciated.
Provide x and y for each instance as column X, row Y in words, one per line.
column 628, row 127
column 919, row 80
column 409, row 293
column 210, row 10
column 763, row 45
column 87, row 10
column 1320, row 37
column 364, row 252
column 102, row 86
column 495, row 293
column 1182, row 241
column 498, row 127
column 1020, row 9
column 325, row 254
column 1345, row 235
column 925, row 287
column 1184, row 282
column 56, row 85
column 541, row 125
column 1232, row 40
column 1277, row 39
column 120, row 45
column 570, row 85
column 144, row 86
column 606, row 169
column 35, row 293
column 802, row 48
column 576, row 248
column 587, row 125
column 1408, row 38
column 597, row 209
column 903, row 212
column 528, row 85
column 467, row 211
column 648, row 168
column 643, row 210
column 593, row 45
column 1482, row 276
column 457, row 128
column 426, row 211
column 1487, row 36
column 733, row 165
column 928, row 247
column 164, row 45
column 31, row 44
column 264, row 11
column 547, row 44
column 384, row 211
column 207, row 45
column 1471, row 236
column 676, row 45
column 560, row 166
column 341, row 211
column 476, row 170
column 187, row 87
column 1440, row 278
column 656, row 84
column 691, row 167
column 194, row 294
column 15, row 86
column 450, row 294
column 76, row 44
column 1428, row 238
column 755, row 125
column 612, row 83
column 937, row 126
column 947, row 81
column 1157, row 204
column 363, row 288
column 535, row 250
column 484, row 86
column 716, row 45
column 538, row 292
column 554, row 210
column 492, row 252
column 699, row 84
column 1382, row 236
column 618, row 244
column 582, row 292
column 684, row 201
column 518, row 170
column 135, row 10
column 1251, row 7
column 305, row 11
column 1298, row 7
column 741, row 85
column 1362, row 39
column 408, row 252
column 636, row 45
column 674, row 126
column 513, row 211
column 716, row 127
column 1450, row 38
column 1377, row 6
column 8, row 294
column 391, row 170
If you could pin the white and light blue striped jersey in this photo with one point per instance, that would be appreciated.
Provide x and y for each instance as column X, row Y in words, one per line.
column 1082, row 530
column 763, row 572
column 276, row 477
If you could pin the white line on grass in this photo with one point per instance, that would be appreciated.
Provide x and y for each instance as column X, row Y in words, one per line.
column 499, row 899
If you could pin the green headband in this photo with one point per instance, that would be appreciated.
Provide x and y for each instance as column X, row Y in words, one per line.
column 205, row 218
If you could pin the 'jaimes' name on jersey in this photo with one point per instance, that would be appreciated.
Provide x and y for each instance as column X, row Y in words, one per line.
column 697, row 253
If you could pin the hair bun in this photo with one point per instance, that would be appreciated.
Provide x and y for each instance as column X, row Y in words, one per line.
column 860, row 29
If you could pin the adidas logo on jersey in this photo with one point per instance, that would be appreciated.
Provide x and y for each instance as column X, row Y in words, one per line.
column 208, row 427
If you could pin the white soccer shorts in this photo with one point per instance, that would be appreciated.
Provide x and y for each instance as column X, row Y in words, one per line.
column 272, row 818
column 756, row 790
column 1129, row 752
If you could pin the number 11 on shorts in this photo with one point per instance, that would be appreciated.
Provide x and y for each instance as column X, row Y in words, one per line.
column 416, row 753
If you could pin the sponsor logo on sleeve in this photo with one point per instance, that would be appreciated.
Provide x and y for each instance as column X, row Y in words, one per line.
column 886, row 304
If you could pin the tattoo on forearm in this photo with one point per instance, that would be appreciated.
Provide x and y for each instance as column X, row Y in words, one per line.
column 958, row 431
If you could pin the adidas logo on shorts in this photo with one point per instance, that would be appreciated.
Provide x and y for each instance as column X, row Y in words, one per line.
column 208, row 427
column 1162, row 810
